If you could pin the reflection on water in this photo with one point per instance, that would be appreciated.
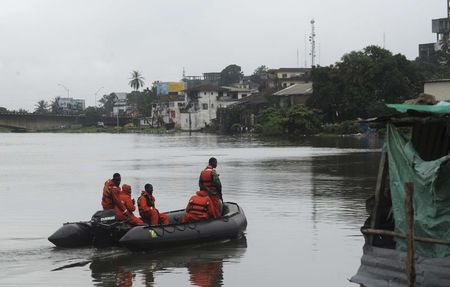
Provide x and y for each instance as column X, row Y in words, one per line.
column 203, row 263
column 304, row 203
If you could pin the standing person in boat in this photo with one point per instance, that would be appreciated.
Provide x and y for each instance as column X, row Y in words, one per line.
column 111, row 193
column 209, row 181
column 200, row 207
column 147, row 208
column 125, row 199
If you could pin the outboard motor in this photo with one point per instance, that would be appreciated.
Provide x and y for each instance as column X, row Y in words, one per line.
column 106, row 229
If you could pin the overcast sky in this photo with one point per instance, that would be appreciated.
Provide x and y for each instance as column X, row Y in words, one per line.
column 87, row 45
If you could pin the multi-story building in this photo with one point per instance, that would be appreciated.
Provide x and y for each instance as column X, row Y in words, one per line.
column 201, row 108
column 284, row 77
column 441, row 27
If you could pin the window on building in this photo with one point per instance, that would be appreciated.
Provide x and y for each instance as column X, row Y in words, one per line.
column 212, row 105
column 205, row 106
column 284, row 76
column 211, row 93
column 204, row 93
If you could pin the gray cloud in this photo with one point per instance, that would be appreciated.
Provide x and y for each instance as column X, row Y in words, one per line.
column 85, row 45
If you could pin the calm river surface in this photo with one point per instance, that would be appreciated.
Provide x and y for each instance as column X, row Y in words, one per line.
column 304, row 203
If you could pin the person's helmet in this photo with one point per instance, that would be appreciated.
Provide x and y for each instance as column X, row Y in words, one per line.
column 126, row 188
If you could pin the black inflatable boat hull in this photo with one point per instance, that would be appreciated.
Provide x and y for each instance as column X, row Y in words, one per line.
column 73, row 235
column 229, row 226
column 103, row 230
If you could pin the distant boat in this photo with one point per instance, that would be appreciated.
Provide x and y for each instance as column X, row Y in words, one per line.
column 104, row 230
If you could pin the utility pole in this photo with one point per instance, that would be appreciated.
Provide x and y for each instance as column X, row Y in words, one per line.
column 312, row 39
column 95, row 94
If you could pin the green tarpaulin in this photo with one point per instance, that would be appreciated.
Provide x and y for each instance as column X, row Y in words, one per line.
column 439, row 108
column 431, row 181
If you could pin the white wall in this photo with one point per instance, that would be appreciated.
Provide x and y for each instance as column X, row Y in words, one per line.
column 206, row 112
column 441, row 90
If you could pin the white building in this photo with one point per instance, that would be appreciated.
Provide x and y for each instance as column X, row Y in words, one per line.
column 120, row 104
column 201, row 108
column 167, row 110
column 440, row 89
column 285, row 77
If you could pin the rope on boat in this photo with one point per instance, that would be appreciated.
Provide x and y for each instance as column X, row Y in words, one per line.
column 164, row 229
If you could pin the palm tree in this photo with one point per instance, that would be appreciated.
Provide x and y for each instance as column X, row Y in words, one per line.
column 136, row 80
column 41, row 107
column 54, row 106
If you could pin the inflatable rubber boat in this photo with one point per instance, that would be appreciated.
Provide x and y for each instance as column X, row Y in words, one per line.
column 230, row 225
column 104, row 230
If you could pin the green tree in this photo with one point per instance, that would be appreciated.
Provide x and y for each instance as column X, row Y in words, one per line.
column 230, row 75
column 142, row 100
column 3, row 110
column 107, row 102
column 41, row 107
column 136, row 80
column 92, row 115
column 54, row 106
column 259, row 76
column 361, row 80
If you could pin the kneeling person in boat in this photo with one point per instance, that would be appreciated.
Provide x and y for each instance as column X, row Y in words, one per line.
column 199, row 207
column 125, row 199
column 147, row 209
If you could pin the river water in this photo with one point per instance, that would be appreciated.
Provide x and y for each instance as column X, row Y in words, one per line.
column 304, row 203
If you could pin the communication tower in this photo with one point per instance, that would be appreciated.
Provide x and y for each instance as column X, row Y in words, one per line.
column 312, row 39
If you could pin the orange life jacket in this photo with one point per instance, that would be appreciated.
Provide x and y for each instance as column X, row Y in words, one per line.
column 148, row 211
column 125, row 199
column 199, row 207
column 107, row 201
column 110, row 198
column 146, row 204
column 207, row 178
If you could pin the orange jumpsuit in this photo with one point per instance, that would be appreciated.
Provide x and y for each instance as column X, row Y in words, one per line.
column 125, row 199
column 199, row 207
column 148, row 211
column 110, row 198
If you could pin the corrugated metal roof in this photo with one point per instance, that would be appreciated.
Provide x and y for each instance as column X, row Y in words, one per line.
column 382, row 267
column 296, row 89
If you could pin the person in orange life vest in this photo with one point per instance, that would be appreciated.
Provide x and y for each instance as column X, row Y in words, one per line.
column 111, row 191
column 125, row 198
column 199, row 207
column 209, row 181
column 147, row 209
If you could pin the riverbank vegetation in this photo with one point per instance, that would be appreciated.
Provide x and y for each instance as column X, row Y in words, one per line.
column 358, row 86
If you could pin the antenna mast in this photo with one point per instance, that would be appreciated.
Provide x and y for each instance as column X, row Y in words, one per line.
column 312, row 39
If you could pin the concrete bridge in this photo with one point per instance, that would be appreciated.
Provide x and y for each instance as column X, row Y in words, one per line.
column 36, row 122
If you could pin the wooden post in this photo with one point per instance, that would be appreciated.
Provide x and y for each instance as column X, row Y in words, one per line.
column 381, row 179
column 410, row 262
